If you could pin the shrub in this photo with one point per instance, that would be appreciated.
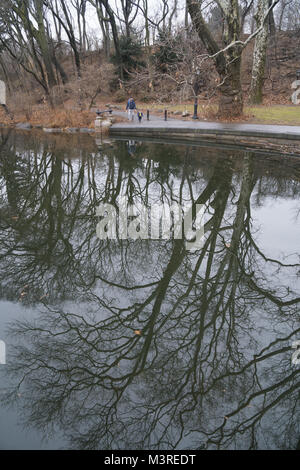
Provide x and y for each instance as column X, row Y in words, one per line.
column 131, row 56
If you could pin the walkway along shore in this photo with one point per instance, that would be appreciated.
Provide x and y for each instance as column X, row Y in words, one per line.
column 266, row 139
column 285, row 139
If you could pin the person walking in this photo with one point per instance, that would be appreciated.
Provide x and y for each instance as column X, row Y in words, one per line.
column 130, row 108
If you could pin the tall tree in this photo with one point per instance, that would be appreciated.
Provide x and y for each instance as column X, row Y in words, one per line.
column 64, row 17
column 227, row 53
column 226, row 56
column 80, row 7
column 110, row 17
column 259, row 53
column 41, row 36
column 25, row 37
column 129, row 13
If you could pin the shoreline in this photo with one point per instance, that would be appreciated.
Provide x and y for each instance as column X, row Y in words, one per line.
column 54, row 130
column 281, row 139
column 265, row 139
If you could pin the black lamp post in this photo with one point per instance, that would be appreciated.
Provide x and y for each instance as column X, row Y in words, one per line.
column 195, row 108
column 196, row 89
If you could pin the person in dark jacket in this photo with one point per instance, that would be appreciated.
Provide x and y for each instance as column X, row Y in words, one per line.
column 130, row 108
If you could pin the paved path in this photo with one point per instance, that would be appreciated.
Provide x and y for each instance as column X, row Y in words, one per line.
column 153, row 118
column 157, row 126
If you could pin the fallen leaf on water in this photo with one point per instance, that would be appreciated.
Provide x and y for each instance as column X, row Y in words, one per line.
column 43, row 296
column 138, row 332
column 228, row 245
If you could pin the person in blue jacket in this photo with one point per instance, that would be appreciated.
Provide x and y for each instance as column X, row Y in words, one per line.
column 130, row 107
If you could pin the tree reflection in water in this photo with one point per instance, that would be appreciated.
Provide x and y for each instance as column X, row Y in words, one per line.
column 212, row 365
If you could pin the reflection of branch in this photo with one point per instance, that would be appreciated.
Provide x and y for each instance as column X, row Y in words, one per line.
column 271, row 259
column 268, row 295
column 140, row 286
column 139, row 362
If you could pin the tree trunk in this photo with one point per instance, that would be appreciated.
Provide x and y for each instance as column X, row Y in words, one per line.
column 104, row 25
column 272, row 26
column 115, row 35
column 227, row 62
column 231, row 96
column 42, row 40
column 186, row 18
column 259, row 53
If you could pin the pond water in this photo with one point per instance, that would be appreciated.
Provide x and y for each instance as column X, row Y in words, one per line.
column 144, row 344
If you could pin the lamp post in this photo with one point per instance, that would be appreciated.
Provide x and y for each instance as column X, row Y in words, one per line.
column 196, row 88
column 195, row 108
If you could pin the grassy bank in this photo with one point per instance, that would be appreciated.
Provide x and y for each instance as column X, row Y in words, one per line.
column 274, row 114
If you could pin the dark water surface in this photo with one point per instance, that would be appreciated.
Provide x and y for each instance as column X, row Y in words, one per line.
column 124, row 344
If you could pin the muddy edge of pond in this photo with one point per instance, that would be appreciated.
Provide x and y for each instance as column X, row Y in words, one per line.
column 26, row 126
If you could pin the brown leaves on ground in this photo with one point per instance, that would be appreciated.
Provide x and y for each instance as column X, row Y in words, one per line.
column 61, row 118
column 46, row 116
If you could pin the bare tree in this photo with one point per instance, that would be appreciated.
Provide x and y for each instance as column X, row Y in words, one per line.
column 227, row 59
column 25, row 37
column 259, row 53
column 226, row 55
column 64, row 17
column 80, row 7
column 107, row 15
